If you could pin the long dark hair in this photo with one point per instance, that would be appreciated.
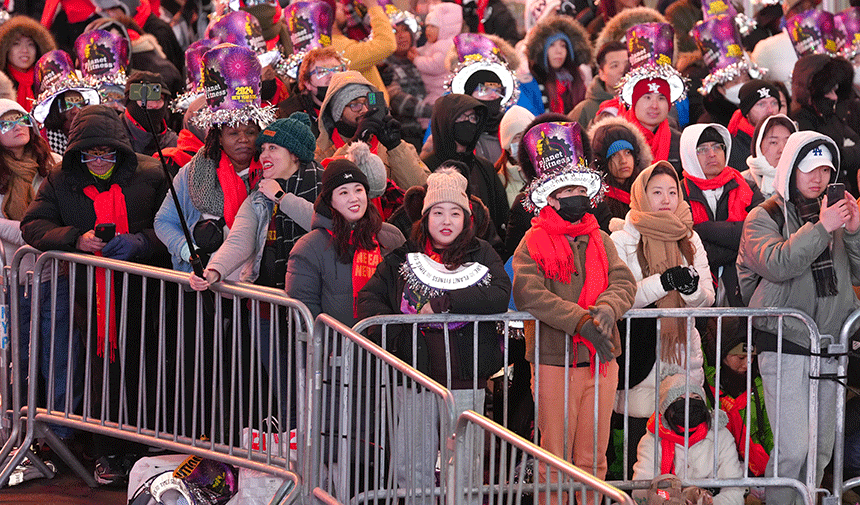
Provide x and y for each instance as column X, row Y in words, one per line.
column 37, row 148
column 455, row 254
column 549, row 77
column 212, row 145
column 362, row 234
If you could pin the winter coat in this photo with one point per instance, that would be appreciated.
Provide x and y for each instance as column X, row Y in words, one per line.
column 143, row 142
column 247, row 239
column 402, row 163
column 383, row 294
column 553, row 303
column 364, row 56
column 720, row 237
column 316, row 278
column 774, row 262
column 648, row 291
column 778, row 56
column 497, row 21
column 431, row 56
column 586, row 110
column 146, row 54
column 61, row 212
column 23, row 25
column 186, row 147
column 699, row 461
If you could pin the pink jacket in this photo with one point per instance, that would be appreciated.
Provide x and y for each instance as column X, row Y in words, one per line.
column 431, row 56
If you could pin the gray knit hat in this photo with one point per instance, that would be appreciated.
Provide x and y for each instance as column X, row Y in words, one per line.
column 370, row 165
column 345, row 95
column 446, row 185
column 673, row 386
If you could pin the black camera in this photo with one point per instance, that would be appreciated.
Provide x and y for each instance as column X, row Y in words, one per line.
column 144, row 91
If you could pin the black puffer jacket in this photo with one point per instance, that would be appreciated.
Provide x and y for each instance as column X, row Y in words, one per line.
column 61, row 212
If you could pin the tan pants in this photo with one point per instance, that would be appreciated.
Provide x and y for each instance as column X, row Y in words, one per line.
column 580, row 411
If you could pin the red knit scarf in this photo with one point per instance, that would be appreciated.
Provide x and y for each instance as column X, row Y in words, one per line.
column 739, row 198
column 363, row 266
column 618, row 194
column 76, row 11
column 557, row 100
column 739, row 122
column 668, row 439
column 339, row 142
column 110, row 208
column 659, row 141
column 549, row 247
column 733, row 407
column 24, row 79
column 431, row 253
column 233, row 188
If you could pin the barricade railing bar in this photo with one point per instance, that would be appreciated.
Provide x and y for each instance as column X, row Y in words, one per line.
column 377, row 426
column 216, row 374
column 508, row 463
column 842, row 348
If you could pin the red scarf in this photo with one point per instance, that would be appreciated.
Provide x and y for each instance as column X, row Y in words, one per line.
column 618, row 194
column 339, row 142
column 110, row 208
column 739, row 122
column 363, row 266
column 233, row 188
column 186, row 146
column 739, row 198
column 557, row 102
column 668, row 439
column 733, row 408
column 25, row 85
column 660, row 141
column 76, row 11
column 549, row 247
column 432, row 254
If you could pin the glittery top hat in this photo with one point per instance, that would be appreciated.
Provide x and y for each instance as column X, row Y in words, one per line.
column 103, row 57
column 848, row 32
column 55, row 74
column 720, row 43
column 650, row 47
column 309, row 24
column 194, row 74
column 231, row 81
column 712, row 8
column 244, row 30
column 399, row 17
column 476, row 52
column 555, row 150
column 812, row 32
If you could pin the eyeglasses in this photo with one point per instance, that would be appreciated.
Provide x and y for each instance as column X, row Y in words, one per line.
column 488, row 90
column 357, row 104
column 709, row 148
column 321, row 72
column 66, row 105
column 106, row 157
column 8, row 125
column 469, row 116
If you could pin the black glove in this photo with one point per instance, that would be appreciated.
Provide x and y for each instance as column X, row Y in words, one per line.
column 390, row 134
column 601, row 342
column 368, row 126
column 690, row 287
column 675, row 277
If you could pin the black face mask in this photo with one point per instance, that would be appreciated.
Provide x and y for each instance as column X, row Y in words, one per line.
column 346, row 131
column 321, row 92
column 675, row 414
column 494, row 116
column 157, row 115
column 573, row 207
column 465, row 133
column 825, row 106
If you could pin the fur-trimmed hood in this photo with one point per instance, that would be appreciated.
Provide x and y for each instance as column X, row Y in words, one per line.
column 606, row 131
column 815, row 72
column 512, row 58
column 26, row 26
column 583, row 53
column 616, row 28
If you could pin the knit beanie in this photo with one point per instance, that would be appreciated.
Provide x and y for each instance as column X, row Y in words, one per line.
column 370, row 165
column 753, row 91
column 129, row 7
column 339, row 172
column 710, row 134
column 7, row 105
column 345, row 95
column 292, row 133
column 618, row 145
column 674, row 384
column 655, row 85
column 446, row 185
column 514, row 121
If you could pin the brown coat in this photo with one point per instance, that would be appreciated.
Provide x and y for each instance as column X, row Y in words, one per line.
column 553, row 303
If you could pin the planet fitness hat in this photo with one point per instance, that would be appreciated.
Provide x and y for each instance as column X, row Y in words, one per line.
column 55, row 74
column 720, row 43
column 194, row 74
column 650, row 47
column 475, row 53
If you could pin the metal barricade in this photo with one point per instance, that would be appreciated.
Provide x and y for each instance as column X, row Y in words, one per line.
column 369, row 411
column 842, row 348
column 507, row 465
column 138, row 357
column 382, row 326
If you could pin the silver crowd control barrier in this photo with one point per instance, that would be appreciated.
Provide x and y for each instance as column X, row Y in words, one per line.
column 136, row 356
column 509, row 465
column 383, row 326
column 378, row 426
column 842, row 348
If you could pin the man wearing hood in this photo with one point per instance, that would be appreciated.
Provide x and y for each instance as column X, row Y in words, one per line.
column 720, row 199
column 457, row 123
column 818, row 83
column 807, row 259
column 138, row 126
column 345, row 116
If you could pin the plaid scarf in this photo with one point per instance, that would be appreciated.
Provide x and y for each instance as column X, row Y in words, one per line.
column 822, row 268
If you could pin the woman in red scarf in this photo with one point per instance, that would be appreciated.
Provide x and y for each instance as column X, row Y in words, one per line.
column 22, row 42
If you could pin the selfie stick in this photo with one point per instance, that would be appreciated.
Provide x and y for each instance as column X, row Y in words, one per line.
column 195, row 261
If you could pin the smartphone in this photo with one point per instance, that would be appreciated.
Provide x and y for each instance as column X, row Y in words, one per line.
column 376, row 100
column 140, row 90
column 835, row 192
column 105, row 231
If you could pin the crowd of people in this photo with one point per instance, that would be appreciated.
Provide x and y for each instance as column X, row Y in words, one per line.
column 377, row 157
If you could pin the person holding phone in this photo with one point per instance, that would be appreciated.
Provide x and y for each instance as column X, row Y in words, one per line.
column 141, row 132
column 806, row 261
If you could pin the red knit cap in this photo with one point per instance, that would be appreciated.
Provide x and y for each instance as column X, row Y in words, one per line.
column 651, row 86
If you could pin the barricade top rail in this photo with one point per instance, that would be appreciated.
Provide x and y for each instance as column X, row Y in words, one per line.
column 542, row 455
